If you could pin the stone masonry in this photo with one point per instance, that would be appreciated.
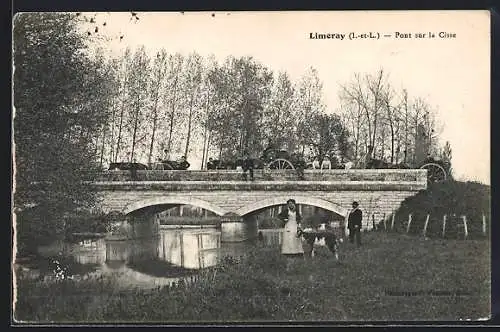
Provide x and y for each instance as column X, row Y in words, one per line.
column 379, row 192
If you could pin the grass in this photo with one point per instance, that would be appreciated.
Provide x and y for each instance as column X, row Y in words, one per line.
column 265, row 286
column 158, row 268
column 470, row 199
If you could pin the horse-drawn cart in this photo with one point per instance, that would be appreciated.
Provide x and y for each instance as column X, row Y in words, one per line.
column 270, row 159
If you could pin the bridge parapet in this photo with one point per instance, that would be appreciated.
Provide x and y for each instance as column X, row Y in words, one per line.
column 181, row 186
column 337, row 175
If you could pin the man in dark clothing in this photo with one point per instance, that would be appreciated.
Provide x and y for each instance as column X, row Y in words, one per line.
column 300, row 165
column 354, row 224
column 247, row 165
column 183, row 163
column 211, row 164
column 133, row 171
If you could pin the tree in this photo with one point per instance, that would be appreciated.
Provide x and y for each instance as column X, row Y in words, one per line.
column 137, row 85
column 326, row 131
column 192, row 83
column 367, row 93
column 54, row 122
column 278, row 116
column 172, row 94
column 446, row 156
column 157, row 84
column 122, row 101
column 309, row 104
column 389, row 125
column 210, row 67
column 241, row 88
column 352, row 117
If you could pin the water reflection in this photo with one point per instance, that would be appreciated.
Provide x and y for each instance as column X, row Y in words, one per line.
column 189, row 249
column 160, row 260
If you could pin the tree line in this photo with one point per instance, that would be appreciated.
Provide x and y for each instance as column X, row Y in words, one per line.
column 180, row 103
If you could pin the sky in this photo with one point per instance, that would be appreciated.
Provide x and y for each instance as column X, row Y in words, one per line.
column 452, row 74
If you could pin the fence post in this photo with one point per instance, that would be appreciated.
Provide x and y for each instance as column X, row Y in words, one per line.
column 484, row 225
column 409, row 223
column 425, row 225
column 393, row 217
column 466, row 233
column 444, row 224
column 373, row 222
column 385, row 225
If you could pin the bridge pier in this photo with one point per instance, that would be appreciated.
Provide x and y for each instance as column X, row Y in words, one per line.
column 235, row 228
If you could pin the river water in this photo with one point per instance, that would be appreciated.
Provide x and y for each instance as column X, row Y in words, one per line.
column 172, row 255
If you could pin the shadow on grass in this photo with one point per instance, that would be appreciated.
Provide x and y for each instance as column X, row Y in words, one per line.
column 158, row 268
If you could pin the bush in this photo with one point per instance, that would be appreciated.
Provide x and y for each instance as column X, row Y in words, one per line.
column 87, row 222
column 471, row 199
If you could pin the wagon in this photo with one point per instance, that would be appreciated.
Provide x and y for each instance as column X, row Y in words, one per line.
column 171, row 165
column 127, row 166
column 278, row 159
column 270, row 158
column 437, row 170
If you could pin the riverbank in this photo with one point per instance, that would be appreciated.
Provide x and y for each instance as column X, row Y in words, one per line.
column 187, row 220
column 392, row 277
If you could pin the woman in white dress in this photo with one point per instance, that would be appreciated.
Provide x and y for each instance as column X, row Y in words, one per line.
column 291, row 244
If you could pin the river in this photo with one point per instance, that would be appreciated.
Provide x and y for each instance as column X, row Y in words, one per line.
column 174, row 254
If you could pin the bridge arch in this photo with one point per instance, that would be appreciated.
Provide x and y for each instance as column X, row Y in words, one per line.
column 167, row 200
column 281, row 200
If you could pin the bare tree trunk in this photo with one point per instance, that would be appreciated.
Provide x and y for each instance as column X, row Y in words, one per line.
column 120, row 127
column 391, row 127
column 204, row 157
column 172, row 114
column 374, row 136
column 392, row 144
column 398, row 141
column 221, row 145
column 416, row 139
column 153, row 132
column 96, row 144
column 134, row 134
column 190, row 117
column 102, row 145
column 376, row 91
column 209, row 136
column 382, row 142
column 204, row 153
column 112, row 129
column 406, row 127
column 155, row 115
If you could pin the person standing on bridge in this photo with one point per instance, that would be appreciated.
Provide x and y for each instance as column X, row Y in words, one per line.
column 247, row 165
column 291, row 244
column 354, row 223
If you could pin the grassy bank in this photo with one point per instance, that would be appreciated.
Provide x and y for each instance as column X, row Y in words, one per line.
column 470, row 199
column 265, row 286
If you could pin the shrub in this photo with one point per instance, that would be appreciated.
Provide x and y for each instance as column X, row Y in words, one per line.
column 471, row 199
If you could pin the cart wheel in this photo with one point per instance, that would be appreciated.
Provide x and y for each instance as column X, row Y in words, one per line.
column 280, row 164
column 435, row 172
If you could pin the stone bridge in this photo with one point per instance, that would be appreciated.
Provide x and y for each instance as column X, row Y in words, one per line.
column 379, row 192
